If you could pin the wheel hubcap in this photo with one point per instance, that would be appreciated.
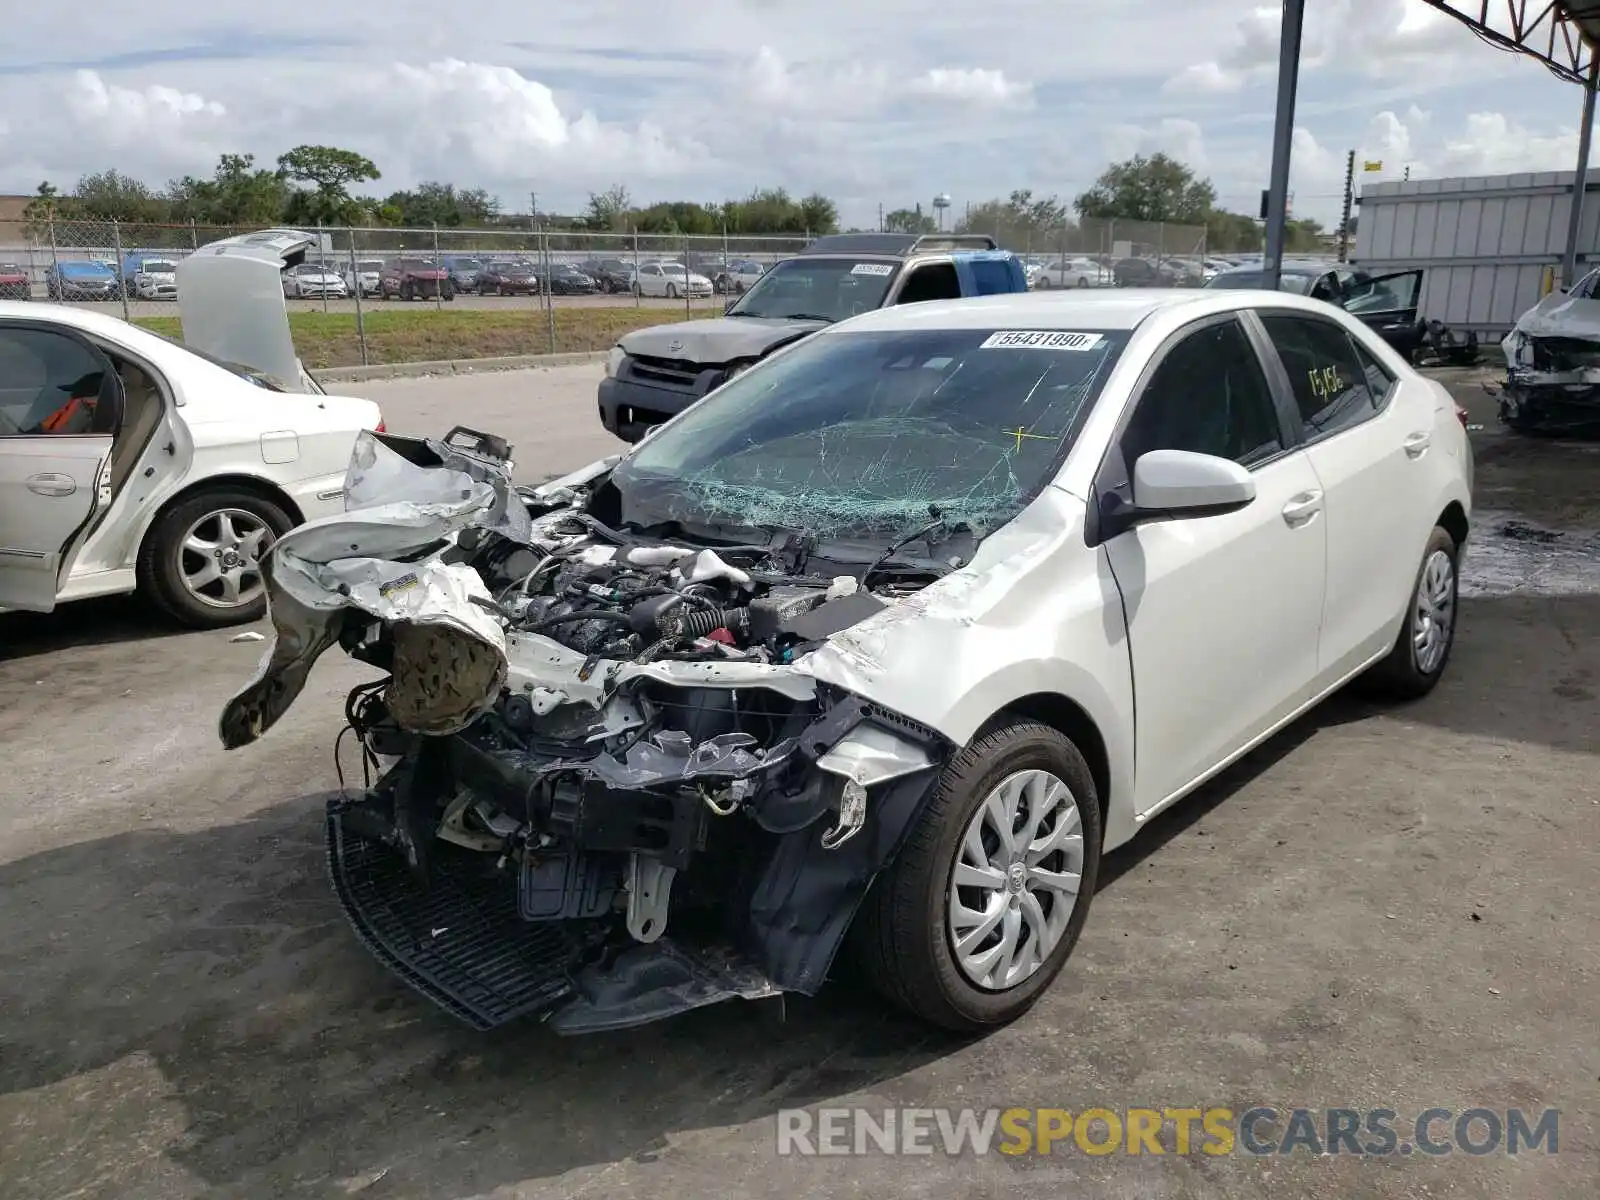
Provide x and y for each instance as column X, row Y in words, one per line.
column 219, row 558
column 1015, row 880
column 1433, row 620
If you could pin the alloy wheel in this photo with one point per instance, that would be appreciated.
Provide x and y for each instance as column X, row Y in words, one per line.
column 1015, row 880
column 219, row 558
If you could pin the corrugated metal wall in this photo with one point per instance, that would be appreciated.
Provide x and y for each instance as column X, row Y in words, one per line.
column 1486, row 241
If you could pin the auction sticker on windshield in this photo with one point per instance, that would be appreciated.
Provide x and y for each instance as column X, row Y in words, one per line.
column 1039, row 339
column 872, row 269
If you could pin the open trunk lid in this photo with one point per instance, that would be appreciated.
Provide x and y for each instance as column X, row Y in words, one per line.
column 230, row 300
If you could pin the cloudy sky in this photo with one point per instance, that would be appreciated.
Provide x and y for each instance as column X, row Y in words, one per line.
column 877, row 102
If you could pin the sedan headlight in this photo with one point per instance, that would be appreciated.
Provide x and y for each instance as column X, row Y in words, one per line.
column 614, row 361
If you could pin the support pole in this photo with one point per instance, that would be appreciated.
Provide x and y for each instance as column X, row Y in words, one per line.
column 1282, row 139
column 1580, row 179
column 1349, row 203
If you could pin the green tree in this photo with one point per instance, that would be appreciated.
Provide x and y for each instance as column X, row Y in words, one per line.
column 1157, row 188
column 908, row 220
column 1303, row 236
column 112, row 196
column 608, row 211
column 238, row 193
column 328, row 173
column 47, row 207
column 435, row 203
column 1022, row 221
column 818, row 215
column 1227, row 231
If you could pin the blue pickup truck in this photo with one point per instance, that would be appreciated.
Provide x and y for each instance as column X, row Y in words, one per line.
column 655, row 373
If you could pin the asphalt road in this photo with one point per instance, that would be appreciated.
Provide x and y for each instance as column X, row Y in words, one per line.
column 1380, row 908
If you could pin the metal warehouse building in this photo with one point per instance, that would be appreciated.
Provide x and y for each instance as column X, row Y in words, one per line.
column 1491, row 243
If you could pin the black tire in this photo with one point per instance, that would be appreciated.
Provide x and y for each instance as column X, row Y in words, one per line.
column 406, row 290
column 1083, row 281
column 672, row 291
column 160, row 558
column 900, row 937
column 449, row 294
column 1401, row 676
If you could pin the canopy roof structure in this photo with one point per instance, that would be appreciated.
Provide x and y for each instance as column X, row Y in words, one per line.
column 1563, row 35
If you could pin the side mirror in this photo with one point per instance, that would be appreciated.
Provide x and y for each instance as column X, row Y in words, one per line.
column 1181, row 483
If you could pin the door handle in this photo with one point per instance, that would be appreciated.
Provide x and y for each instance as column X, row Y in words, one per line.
column 1417, row 444
column 1302, row 508
column 51, row 483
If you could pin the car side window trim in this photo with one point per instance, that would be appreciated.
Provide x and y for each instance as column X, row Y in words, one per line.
column 1280, row 372
column 1112, row 461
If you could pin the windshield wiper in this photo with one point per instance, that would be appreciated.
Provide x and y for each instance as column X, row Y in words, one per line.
column 939, row 524
column 806, row 317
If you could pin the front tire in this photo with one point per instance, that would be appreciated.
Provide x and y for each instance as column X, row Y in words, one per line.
column 200, row 562
column 1428, row 634
column 978, row 914
column 672, row 291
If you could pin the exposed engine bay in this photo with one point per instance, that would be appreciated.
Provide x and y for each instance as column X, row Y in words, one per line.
column 600, row 786
column 1552, row 382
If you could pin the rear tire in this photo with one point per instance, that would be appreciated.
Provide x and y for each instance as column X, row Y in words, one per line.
column 1428, row 634
column 169, row 562
column 406, row 291
column 904, row 936
column 672, row 291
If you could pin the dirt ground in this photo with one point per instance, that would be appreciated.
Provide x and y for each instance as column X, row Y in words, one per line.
column 1379, row 908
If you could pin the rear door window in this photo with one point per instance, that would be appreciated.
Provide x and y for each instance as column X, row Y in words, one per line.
column 1329, row 383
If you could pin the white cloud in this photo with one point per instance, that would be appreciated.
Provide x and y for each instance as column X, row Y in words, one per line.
column 1382, row 39
column 977, row 85
column 124, row 116
column 862, row 88
column 888, row 102
column 1175, row 137
column 499, row 124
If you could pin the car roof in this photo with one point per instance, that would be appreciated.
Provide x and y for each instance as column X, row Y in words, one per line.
column 1082, row 308
column 86, row 320
column 898, row 245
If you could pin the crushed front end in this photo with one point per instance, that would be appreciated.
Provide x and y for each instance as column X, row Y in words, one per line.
column 1552, row 383
column 599, row 790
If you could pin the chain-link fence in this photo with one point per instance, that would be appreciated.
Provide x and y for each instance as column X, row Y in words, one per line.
column 1103, row 253
column 519, row 291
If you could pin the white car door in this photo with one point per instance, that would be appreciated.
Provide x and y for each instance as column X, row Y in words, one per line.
column 1222, row 611
column 1368, row 437
column 651, row 282
column 60, row 406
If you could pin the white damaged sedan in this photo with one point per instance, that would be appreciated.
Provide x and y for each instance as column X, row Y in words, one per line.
column 881, row 645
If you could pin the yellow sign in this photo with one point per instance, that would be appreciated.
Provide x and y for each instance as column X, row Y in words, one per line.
column 1372, row 164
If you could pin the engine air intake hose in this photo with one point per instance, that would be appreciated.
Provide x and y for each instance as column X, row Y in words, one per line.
column 702, row 621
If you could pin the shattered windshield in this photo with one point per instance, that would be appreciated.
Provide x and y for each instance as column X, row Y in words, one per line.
column 865, row 435
column 825, row 289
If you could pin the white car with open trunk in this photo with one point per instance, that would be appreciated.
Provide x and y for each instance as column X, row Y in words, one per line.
column 131, row 462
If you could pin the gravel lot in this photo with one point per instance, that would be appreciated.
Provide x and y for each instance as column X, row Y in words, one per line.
column 1377, row 909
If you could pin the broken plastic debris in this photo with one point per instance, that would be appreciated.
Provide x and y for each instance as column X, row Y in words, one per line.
column 249, row 635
